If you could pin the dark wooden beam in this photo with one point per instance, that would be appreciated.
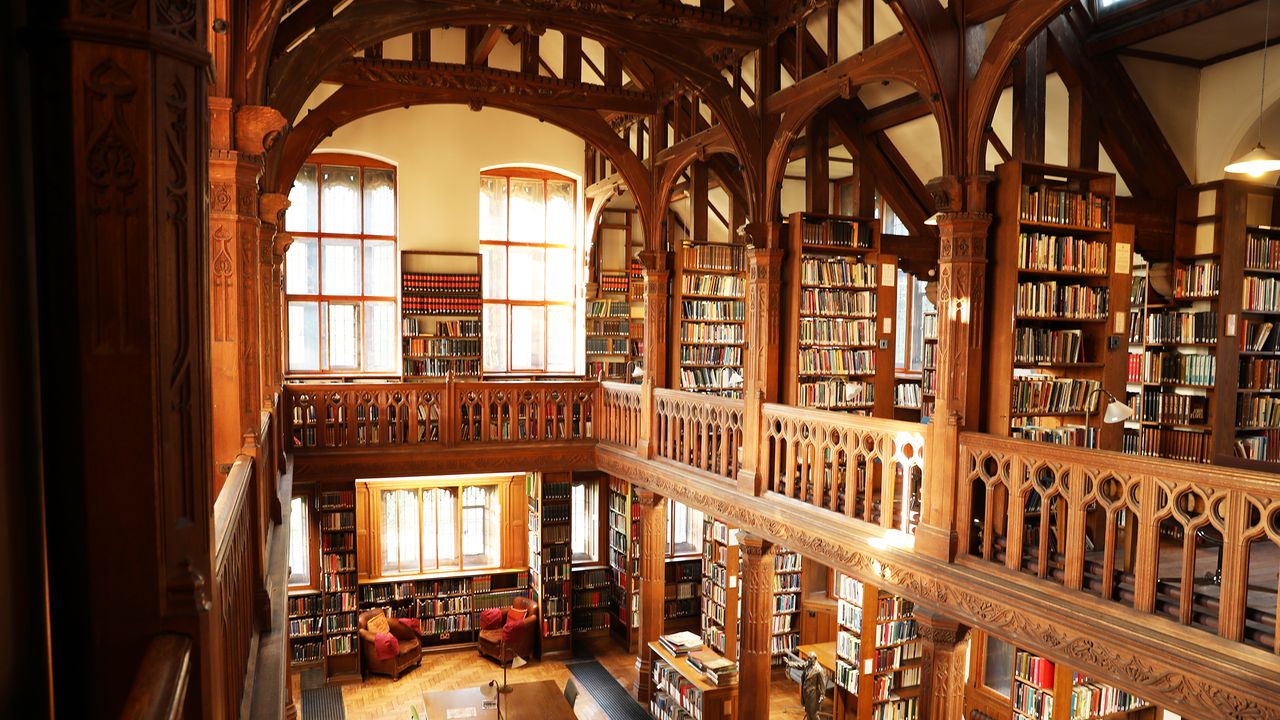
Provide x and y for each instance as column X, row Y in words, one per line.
column 889, row 171
column 1029, row 100
column 1156, row 21
column 1231, row 54
column 422, row 46
column 893, row 53
column 1160, row 57
column 698, row 200
column 486, row 39
column 1082, row 130
column 817, row 167
column 998, row 145
column 301, row 21
column 482, row 81
column 894, row 112
column 572, row 69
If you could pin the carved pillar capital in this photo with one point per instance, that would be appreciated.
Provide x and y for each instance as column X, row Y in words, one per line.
column 653, row 582
column 653, row 260
column 258, row 128
column 760, row 365
column 271, row 208
column 944, row 653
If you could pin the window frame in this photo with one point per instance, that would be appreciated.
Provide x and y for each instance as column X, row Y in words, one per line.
column 906, row 322
column 324, row 300
column 307, row 497
column 370, row 522
column 591, row 526
column 696, row 531
column 574, row 304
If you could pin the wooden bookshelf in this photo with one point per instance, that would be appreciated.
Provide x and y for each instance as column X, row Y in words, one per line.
column 787, row 592
column 624, row 563
column 608, row 335
column 680, row 691
column 635, row 296
column 447, row 607
column 878, row 653
column 337, row 513
column 440, row 303
column 840, row 294
column 720, row 568
column 551, row 557
column 709, row 315
column 682, row 605
column 591, row 599
column 928, row 366
column 306, row 629
column 1059, row 302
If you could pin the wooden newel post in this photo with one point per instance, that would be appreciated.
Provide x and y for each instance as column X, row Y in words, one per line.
column 656, row 278
column 944, row 654
column 653, row 583
column 963, row 225
column 763, row 333
column 755, row 658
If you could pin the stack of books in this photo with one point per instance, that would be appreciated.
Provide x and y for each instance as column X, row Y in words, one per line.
column 681, row 643
column 715, row 668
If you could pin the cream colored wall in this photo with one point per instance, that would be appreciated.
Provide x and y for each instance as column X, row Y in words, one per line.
column 1228, row 112
column 440, row 151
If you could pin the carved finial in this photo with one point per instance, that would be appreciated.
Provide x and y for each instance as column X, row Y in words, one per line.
column 271, row 208
column 476, row 104
column 258, row 128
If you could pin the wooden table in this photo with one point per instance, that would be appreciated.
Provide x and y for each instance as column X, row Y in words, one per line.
column 526, row 701
column 826, row 653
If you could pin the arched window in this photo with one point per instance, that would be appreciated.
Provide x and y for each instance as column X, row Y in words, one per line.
column 341, row 272
column 532, row 271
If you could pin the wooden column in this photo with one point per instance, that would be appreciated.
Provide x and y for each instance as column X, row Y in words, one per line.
column 273, row 244
column 755, row 659
column 1082, row 130
column 761, row 360
column 1029, row 99
column 945, row 645
column 656, row 300
column 817, row 168
column 117, row 237
column 653, row 583
column 962, row 262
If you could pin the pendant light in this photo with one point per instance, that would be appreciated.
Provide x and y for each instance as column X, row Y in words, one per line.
column 1259, row 160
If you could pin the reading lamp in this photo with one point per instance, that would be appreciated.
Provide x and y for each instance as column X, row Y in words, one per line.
column 1259, row 160
column 1116, row 411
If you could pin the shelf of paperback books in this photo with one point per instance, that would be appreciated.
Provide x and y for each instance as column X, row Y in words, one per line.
column 591, row 598
column 337, row 514
column 682, row 604
column 710, row 312
column 1060, row 288
column 306, row 631
column 440, row 302
column 787, row 568
column 884, row 645
column 683, row 692
column 928, row 365
column 839, row 292
column 720, row 568
column 551, row 556
column 624, row 561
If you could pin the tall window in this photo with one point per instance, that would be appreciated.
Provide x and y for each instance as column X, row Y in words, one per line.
column 428, row 529
column 532, row 270
column 684, row 529
column 912, row 305
column 341, row 270
column 585, row 533
column 299, row 542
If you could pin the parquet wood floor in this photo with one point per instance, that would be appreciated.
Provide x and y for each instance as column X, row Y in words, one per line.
column 380, row 698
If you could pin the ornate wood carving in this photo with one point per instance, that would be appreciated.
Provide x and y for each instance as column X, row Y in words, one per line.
column 653, row 583
column 756, row 656
column 258, row 128
column 945, row 652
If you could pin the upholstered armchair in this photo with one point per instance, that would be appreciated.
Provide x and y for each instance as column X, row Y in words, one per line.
column 522, row 635
column 409, row 652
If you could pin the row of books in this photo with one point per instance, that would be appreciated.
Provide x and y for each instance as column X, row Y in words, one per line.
column 710, row 378
column 303, row 605
column 1262, row 252
column 897, row 656
column 836, row 272
column 425, row 305
column 1257, row 336
column 337, row 500
column 304, row 626
column 836, row 361
column 440, row 625
column 1138, row 290
column 895, row 631
column 711, row 333
column 606, row 346
column 1182, row 327
column 900, row 709
column 1041, row 203
column 1093, row 700
column 786, row 583
column 439, row 367
column 836, row 394
column 1263, row 445
column 728, row 310
column 716, row 669
column 717, row 285
column 1253, row 411
column 823, row 301
column 835, row 232
column 1052, row 300
column 441, row 284
column 1168, row 407
column 338, row 520
column 1033, row 670
column 715, row 256
column 597, row 309
column 907, row 394
column 608, row 327
column 1171, row 443
column 450, row 347
column 1179, row 368
column 1259, row 374
column 837, row 331
column 330, row 542
column 1032, row 702
column 1070, row 435
column 1200, row 279
column 711, row 354
column 1062, row 253
column 614, row 282
column 1261, row 294
column 1050, row 395
column 411, row 326
column 890, row 607
column 587, row 619
column 339, row 562
column 304, row 653
column 1035, row 345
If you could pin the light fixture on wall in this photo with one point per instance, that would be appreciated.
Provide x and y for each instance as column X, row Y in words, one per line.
column 1259, row 160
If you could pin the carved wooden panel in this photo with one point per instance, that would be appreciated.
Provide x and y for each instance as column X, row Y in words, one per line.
column 699, row 431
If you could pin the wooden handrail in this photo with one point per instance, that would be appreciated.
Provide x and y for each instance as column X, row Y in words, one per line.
column 159, row 690
column 701, row 431
column 620, row 414
column 236, row 559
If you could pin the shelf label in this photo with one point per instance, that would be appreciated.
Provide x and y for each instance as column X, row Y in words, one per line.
column 1231, row 324
column 868, row 666
column 1119, row 323
column 733, row 581
column 888, row 274
column 886, row 325
column 1122, row 258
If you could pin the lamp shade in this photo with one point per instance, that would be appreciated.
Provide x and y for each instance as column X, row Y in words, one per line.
column 1117, row 412
column 1257, row 162
column 638, row 372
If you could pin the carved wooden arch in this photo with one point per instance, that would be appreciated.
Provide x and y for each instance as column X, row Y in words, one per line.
column 673, row 166
column 1024, row 20
column 884, row 63
column 350, row 103
column 935, row 35
column 260, row 35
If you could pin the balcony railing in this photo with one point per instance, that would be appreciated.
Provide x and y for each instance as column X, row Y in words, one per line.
column 1197, row 544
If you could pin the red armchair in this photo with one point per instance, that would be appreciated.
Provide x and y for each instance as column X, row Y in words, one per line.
column 522, row 639
column 410, row 653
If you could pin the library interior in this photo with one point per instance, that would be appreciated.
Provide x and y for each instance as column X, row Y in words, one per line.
column 627, row 359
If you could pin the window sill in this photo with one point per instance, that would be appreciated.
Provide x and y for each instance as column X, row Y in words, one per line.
column 584, row 565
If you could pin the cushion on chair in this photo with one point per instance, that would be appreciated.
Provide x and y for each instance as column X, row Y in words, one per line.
column 492, row 619
column 385, row 645
column 412, row 624
column 516, row 615
column 511, row 631
column 378, row 624
column 493, row 636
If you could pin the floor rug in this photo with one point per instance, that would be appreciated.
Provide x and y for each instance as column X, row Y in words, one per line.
column 604, row 688
column 323, row 704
